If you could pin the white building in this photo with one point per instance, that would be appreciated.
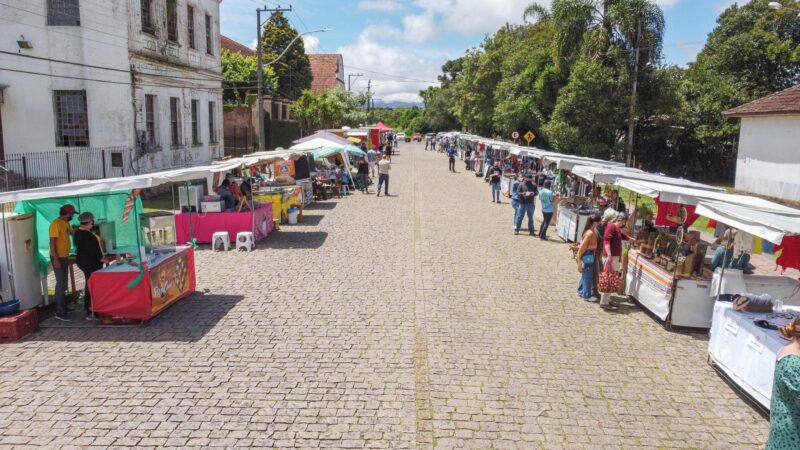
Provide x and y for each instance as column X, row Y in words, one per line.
column 137, row 82
column 768, row 161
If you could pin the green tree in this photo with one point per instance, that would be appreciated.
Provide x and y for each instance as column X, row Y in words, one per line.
column 438, row 115
column 330, row 109
column 240, row 75
column 292, row 69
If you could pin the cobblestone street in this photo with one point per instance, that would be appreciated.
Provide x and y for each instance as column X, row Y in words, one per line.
column 412, row 321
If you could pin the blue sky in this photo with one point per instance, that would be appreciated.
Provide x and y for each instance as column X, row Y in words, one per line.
column 401, row 44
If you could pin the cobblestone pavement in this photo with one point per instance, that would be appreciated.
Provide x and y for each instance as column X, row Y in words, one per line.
column 413, row 321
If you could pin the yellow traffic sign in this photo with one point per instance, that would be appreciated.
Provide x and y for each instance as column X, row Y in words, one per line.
column 529, row 136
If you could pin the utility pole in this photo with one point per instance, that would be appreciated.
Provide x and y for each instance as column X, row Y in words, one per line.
column 369, row 95
column 262, row 138
column 352, row 75
column 632, row 116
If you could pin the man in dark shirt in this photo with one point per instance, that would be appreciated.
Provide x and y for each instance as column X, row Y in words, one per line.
column 89, row 255
column 451, row 156
column 526, row 194
column 363, row 175
column 495, row 174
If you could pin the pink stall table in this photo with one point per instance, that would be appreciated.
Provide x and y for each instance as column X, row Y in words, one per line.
column 204, row 225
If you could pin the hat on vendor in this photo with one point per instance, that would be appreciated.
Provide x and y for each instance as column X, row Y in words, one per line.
column 85, row 218
column 66, row 209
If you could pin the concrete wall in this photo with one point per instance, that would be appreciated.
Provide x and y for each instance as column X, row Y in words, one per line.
column 101, row 40
column 768, row 161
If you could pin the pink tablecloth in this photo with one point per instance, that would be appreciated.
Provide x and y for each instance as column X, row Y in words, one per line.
column 204, row 225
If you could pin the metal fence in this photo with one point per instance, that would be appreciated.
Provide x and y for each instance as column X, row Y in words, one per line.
column 239, row 140
column 39, row 169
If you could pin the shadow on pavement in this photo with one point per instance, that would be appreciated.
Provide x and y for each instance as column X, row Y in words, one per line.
column 289, row 239
column 321, row 205
column 188, row 320
column 310, row 220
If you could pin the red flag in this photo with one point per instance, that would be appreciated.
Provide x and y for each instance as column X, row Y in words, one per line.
column 129, row 202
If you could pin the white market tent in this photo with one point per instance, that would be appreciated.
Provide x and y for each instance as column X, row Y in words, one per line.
column 327, row 135
column 568, row 162
column 317, row 143
column 691, row 196
column 610, row 175
column 766, row 225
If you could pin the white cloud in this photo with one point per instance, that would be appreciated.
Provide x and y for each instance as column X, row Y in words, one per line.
column 379, row 5
column 666, row 3
column 397, row 74
column 311, row 43
column 475, row 16
column 419, row 27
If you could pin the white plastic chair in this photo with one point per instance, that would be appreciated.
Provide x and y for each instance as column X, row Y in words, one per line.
column 245, row 240
column 220, row 237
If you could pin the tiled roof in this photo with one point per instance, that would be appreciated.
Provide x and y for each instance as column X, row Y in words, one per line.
column 232, row 46
column 783, row 102
column 326, row 69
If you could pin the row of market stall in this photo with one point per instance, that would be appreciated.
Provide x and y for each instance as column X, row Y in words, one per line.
column 668, row 271
column 149, row 255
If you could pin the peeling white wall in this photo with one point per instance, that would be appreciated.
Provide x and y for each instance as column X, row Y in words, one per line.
column 768, row 161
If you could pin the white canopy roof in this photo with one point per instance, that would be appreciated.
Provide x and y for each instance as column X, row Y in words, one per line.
column 568, row 162
column 319, row 142
column 692, row 196
column 769, row 226
column 610, row 175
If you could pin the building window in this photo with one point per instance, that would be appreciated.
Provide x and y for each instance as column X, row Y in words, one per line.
column 212, row 126
column 63, row 12
column 172, row 20
column 190, row 25
column 209, row 40
column 150, row 117
column 195, row 129
column 72, row 119
column 147, row 16
column 285, row 112
column 174, row 119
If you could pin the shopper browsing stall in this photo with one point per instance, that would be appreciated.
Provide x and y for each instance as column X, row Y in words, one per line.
column 60, row 232
column 546, row 199
column 526, row 192
column 784, row 418
column 495, row 174
column 612, row 246
column 585, row 256
column 89, row 255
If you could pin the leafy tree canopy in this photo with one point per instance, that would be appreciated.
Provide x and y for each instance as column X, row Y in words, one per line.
column 292, row 69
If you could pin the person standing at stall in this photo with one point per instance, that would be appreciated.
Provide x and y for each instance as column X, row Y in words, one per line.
column 526, row 192
column 515, row 199
column 546, row 199
column 612, row 247
column 60, row 232
column 384, row 166
column 495, row 174
column 363, row 175
column 784, row 411
column 89, row 255
column 585, row 256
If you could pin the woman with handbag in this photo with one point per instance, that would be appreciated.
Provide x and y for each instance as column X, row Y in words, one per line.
column 784, row 417
column 611, row 278
column 585, row 258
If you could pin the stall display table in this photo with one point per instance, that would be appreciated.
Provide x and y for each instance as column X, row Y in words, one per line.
column 168, row 277
column 689, row 302
column 745, row 352
column 203, row 225
column 281, row 199
column 569, row 224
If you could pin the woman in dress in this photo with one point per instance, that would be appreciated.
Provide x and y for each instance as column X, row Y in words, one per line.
column 585, row 257
column 784, row 411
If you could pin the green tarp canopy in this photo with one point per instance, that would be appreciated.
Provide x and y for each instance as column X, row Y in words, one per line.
column 330, row 151
column 107, row 206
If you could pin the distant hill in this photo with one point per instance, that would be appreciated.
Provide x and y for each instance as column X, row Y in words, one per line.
column 394, row 105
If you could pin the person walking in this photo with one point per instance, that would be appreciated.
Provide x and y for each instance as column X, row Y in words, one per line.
column 451, row 156
column 526, row 192
column 546, row 199
column 784, row 411
column 387, row 151
column 427, row 143
column 89, row 255
column 515, row 199
column 384, row 166
column 60, row 232
column 372, row 159
column 612, row 250
column 495, row 174
column 585, row 258
column 363, row 175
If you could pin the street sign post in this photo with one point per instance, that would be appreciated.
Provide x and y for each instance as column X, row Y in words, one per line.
column 529, row 136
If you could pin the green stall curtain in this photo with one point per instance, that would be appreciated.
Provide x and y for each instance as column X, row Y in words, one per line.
column 105, row 207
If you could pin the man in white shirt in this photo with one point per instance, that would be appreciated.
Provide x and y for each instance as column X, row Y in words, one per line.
column 384, row 165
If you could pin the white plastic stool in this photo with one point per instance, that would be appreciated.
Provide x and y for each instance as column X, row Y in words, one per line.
column 345, row 189
column 220, row 237
column 245, row 240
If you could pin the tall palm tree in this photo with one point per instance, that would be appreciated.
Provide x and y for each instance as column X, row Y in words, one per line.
column 593, row 27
